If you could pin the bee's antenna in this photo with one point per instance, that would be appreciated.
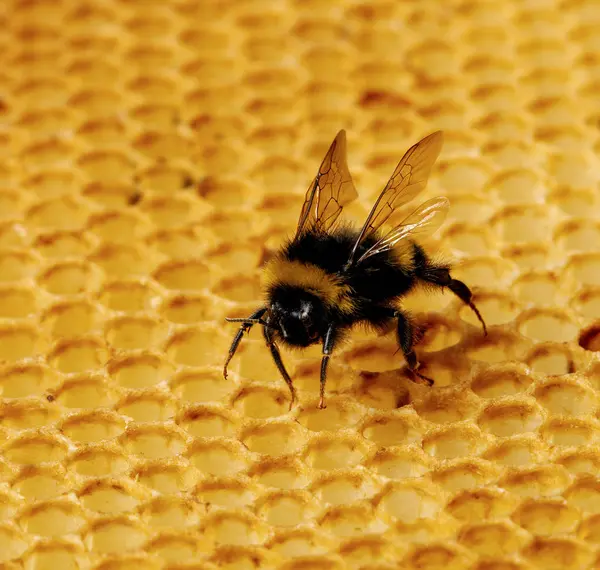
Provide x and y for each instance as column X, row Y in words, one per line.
column 249, row 322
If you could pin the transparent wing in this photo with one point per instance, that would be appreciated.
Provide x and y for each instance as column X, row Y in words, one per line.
column 423, row 222
column 330, row 191
column 408, row 180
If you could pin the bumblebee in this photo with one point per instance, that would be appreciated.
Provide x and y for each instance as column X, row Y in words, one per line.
column 332, row 276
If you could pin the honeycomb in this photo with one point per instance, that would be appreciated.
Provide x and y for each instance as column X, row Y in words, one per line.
column 153, row 153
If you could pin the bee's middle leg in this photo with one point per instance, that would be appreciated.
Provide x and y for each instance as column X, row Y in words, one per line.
column 331, row 336
column 406, row 335
column 276, row 355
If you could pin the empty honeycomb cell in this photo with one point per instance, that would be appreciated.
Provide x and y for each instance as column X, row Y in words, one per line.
column 52, row 518
column 173, row 547
column 280, row 473
column 549, row 358
column 131, row 333
column 86, row 390
column 115, row 226
column 337, row 415
column 545, row 517
column 584, row 495
column 285, row 508
column 567, row 398
column 468, row 239
column 362, row 551
column 240, row 288
column 233, row 528
column 557, row 552
column 20, row 415
column 465, row 474
column 78, row 355
column 115, row 535
column 518, row 187
column 258, row 402
column 219, row 456
column 484, row 503
column 394, row 429
column 112, row 496
column 16, row 264
column 88, row 427
column 374, row 356
column 542, row 481
column 52, row 182
column 62, row 213
column 274, row 438
column 41, row 482
column 129, row 295
column 26, row 379
column 253, row 360
column 329, row 452
column 189, row 275
column 18, row 341
column 202, row 385
column 433, row 406
column 61, row 244
column 347, row 521
column 166, row 476
column 343, row 487
column 68, row 278
column 120, row 260
column 207, row 421
column 171, row 512
column 497, row 308
column 511, row 417
column 400, row 463
column 17, row 302
column 588, row 338
column 180, row 243
column 148, row 406
column 227, row 492
column 583, row 269
column 50, row 153
column 13, row 235
column 453, row 441
column 197, row 346
column 407, row 501
column 517, row 450
column 71, row 318
column 437, row 556
column 98, row 460
column 568, row 432
column 493, row 538
column 154, row 442
column 35, row 448
column 189, row 308
column 587, row 305
column 502, row 380
column 539, row 288
column 13, row 543
column 57, row 553
column 106, row 166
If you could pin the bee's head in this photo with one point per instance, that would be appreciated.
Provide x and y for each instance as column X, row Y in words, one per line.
column 299, row 317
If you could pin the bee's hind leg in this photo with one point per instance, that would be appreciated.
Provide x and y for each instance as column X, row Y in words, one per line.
column 279, row 363
column 406, row 335
column 245, row 327
column 441, row 276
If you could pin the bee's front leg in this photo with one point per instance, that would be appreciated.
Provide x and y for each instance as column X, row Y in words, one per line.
column 245, row 327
